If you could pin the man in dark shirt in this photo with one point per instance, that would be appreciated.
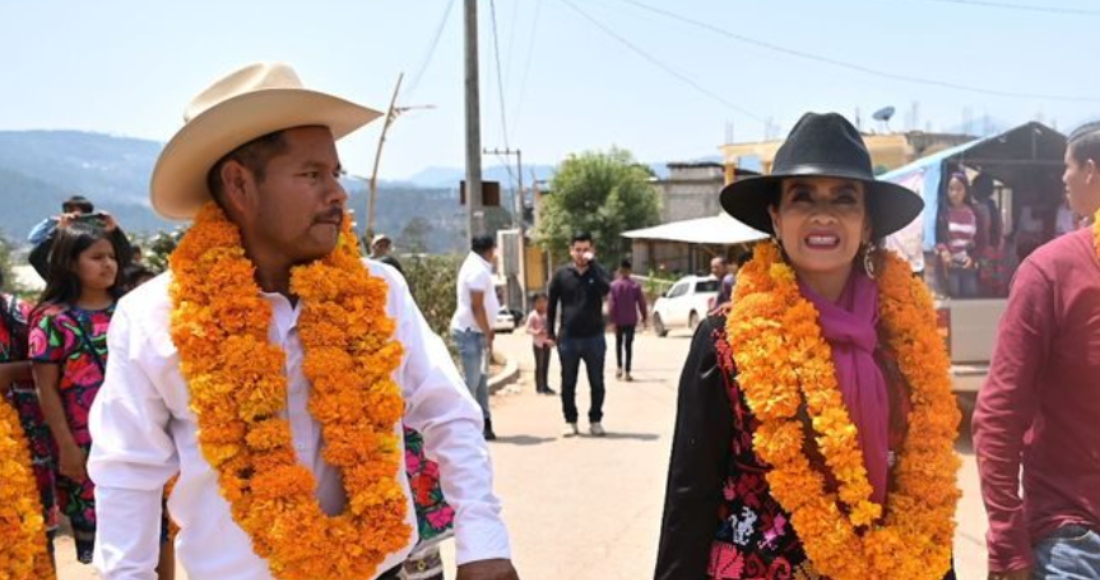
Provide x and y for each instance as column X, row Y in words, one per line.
column 578, row 289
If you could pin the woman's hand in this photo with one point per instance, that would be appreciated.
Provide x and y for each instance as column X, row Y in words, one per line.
column 73, row 462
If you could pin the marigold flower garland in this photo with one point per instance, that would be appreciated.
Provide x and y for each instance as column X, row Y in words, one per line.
column 783, row 361
column 1096, row 233
column 23, row 554
column 238, row 388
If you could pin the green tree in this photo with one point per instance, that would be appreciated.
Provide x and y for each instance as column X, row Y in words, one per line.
column 432, row 281
column 413, row 238
column 603, row 193
column 160, row 247
column 6, row 264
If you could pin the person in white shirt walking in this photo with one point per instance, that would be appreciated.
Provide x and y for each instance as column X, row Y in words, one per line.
column 472, row 325
column 272, row 368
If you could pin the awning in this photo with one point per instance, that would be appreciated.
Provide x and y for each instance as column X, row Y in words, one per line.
column 720, row 230
column 1006, row 157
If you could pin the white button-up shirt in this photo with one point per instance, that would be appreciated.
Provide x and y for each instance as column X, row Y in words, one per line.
column 476, row 275
column 144, row 433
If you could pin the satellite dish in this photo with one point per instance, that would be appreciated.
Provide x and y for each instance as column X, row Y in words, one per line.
column 884, row 115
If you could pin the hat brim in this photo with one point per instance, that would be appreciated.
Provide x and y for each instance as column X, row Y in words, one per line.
column 178, row 188
column 891, row 206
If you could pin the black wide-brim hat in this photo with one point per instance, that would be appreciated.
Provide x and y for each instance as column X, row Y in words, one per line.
column 822, row 146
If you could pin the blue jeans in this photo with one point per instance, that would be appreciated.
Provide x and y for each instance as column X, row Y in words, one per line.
column 963, row 283
column 571, row 351
column 471, row 348
column 1070, row 552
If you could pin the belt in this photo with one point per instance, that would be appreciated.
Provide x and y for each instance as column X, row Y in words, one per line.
column 392, row 574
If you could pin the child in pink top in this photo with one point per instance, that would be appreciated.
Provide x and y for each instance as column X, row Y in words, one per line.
column 537, row 327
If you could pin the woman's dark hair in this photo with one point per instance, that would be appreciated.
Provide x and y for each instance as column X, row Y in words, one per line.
column 942, row 225
column 63, row 284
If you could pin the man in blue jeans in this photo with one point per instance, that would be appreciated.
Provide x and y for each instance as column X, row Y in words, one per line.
column 471, row 326
column 578, row 289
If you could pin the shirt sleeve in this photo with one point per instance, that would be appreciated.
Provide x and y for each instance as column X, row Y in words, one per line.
column 49, row 341
column 1006, row 406
column 700, row 456
column 603, row 280
column 440, row 407
column 42, row 231
column 132, row 459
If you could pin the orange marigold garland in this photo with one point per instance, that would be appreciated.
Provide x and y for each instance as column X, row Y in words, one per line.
column 23, row 553
column 784, row 361
column 1096, row 233
column 238, row 388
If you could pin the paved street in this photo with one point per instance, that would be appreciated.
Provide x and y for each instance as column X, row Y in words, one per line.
column 589, row 509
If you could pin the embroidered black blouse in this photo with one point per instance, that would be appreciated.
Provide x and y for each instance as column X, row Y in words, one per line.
column 720, row 519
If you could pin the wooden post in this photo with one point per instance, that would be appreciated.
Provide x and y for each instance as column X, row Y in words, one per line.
column 391, row 113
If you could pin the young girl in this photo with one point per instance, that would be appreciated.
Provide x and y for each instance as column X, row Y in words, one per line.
column 537, row 328
column 17, row 389
column 68, row 347
column 959, row 240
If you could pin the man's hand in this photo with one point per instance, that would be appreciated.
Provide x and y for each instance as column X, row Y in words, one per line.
column 109, row 222
column 1024, row 574
column 488, row 570
column 722, row 309
column 66, row 219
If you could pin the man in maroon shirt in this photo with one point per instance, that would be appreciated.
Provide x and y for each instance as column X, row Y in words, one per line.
column 625, row 302
column 1040, row 408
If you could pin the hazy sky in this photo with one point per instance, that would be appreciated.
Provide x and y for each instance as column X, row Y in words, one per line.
column 128, row 67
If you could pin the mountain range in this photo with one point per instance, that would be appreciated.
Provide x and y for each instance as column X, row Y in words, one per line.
column 40, row 169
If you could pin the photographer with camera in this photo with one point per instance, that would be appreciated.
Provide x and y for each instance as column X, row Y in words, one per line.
column 73, row 210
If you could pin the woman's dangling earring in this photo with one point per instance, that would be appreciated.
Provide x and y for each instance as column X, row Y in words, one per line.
column 869, row 259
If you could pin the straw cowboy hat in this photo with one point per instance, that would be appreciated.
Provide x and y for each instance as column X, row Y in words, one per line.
column 822, row 146
column 245, row 105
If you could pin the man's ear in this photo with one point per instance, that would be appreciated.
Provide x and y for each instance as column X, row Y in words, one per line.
column 237, row 186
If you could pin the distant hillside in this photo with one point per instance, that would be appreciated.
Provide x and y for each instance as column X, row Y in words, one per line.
column 39, row 169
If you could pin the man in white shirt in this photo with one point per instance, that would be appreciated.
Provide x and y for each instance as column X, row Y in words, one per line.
column 262, row 148
column 472, row 325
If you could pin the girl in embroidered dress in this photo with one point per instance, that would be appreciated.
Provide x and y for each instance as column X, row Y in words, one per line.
column 68, row 348
column 825, row 211
column 68, row 344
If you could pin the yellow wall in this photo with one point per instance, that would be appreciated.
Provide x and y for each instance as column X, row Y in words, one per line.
column 889, row 151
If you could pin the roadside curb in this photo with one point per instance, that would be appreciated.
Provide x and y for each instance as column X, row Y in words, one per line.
column 509, row 375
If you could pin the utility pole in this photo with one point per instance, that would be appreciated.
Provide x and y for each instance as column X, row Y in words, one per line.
column 520, row 298
column 475, row 213
column 391, row 114
column 517, row 200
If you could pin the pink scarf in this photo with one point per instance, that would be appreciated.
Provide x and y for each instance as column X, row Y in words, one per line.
column 849, row 325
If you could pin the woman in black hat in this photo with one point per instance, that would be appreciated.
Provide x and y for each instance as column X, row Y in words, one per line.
column 815, row 430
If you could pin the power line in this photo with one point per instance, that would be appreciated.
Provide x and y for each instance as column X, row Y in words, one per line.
column 660, row 64
column 1021, row 7
column 500, row 79
column 517, row 116
column 431, row 48
column 856, row 67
